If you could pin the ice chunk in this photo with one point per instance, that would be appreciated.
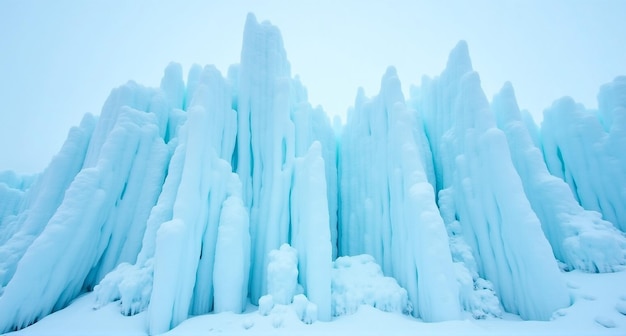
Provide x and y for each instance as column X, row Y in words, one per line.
column 266, row 303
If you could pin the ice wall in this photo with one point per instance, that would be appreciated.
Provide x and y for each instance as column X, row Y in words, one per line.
column 579, row 238
column 189, row 212
column 388, row 206
column 20, row 228
column 267, row 100
column 243, row 123
column 99, row 221
column 587, row 152
column 482, row 190
column 172, row 200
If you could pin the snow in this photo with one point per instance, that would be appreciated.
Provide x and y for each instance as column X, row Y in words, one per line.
column 282, row 274
column 595, row 298
column 358, row 281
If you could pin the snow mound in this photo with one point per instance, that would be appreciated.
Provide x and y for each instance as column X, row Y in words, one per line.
column 129, row 284
column 358, row 280
column 282, row 274
column 301, row 306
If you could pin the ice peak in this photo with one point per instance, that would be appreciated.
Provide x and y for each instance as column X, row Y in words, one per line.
column 263, row 48
column 391, row 88
column 459, row 61
column 391, row 72
column 505, row 105
column 251, row 19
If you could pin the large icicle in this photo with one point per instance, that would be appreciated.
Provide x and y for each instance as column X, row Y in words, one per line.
column 265, row 143
column 312, row 124
column 310, row 234
column 232, row 257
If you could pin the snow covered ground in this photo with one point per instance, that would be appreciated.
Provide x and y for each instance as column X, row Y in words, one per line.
column 598, row 299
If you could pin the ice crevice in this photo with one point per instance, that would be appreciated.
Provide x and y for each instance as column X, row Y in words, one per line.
column 210, row 192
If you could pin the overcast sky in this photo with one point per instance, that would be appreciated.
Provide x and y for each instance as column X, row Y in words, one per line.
column 60, row 59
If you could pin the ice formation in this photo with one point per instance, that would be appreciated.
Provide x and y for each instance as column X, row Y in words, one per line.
column 388, row 206
column 205, row 194
column 482, row 191
column 579, row 238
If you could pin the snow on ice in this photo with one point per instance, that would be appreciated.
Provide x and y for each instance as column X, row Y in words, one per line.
column 209, row 194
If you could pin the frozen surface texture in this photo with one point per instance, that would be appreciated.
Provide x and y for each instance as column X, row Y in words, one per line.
column 212, row 192
column 579, row 238
column 358, row 280
column 479, row 187
column 388, row 206
column 586, row 149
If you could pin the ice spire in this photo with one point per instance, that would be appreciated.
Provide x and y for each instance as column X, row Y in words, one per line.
column 579, row 238
column 481, row 189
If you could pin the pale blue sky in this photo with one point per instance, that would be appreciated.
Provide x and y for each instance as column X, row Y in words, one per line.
column 60, row 59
